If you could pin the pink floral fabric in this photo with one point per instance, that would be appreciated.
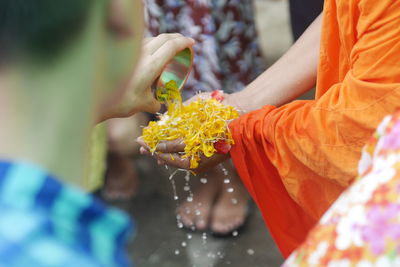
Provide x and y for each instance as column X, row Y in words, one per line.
column 227, row 56
column 362, row 228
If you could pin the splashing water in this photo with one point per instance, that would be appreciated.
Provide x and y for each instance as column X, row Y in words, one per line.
column 204, row 237
column 185, row 244
column 250, row 251
column 171, row 178
column 224, row 170
column 220, row 254
column 203, row 180
column 187, row 185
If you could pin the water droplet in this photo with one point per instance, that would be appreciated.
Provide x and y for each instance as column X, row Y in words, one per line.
column 189, row 236
column 177, row 251
column 189, row 199
column 225, row 171
column 250, row 251
column 203, row 180
column 183, row 244
column 186, row 188
column 180, row 225
column 187, row 176
column 176, row 197
column 235, row 233
column 211, row 255
column 193, row 228
column 227, row 181
column 230, row 190
column 204, row 236
column 198, row 212
column 234, row 201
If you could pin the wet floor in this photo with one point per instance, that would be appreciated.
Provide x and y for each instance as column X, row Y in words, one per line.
column 159, row 242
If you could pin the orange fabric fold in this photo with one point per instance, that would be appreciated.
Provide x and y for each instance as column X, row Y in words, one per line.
column 295, row 160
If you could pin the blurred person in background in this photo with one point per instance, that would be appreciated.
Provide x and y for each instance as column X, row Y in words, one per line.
column 64, row 66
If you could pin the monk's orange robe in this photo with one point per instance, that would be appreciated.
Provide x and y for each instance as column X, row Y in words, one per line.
column 296, row 159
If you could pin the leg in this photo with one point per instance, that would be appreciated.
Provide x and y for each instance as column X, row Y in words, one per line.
column 218, row 204
column 195, row 214
column 230, row 210
column 121, row 179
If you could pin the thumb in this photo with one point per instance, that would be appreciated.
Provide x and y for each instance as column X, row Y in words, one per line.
column 152, row 105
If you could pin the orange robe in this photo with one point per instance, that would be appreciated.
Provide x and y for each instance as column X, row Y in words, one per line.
column 296, row 159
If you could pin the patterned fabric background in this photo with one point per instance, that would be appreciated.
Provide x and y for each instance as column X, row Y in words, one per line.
column 227, row 56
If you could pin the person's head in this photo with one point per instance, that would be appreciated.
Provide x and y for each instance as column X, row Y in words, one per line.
column 87, row 45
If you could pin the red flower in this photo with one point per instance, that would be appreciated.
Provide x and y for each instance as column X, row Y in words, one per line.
column 217, row 95
column 222, row 147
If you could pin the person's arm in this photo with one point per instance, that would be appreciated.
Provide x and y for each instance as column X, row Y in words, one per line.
column 292, row 75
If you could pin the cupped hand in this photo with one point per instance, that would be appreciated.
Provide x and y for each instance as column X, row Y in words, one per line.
column 170, row 153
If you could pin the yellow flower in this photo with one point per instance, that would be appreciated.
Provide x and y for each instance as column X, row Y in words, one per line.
column 199, row 124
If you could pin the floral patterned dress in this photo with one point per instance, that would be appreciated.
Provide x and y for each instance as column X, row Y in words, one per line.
column 227, row 55
column 362, row 228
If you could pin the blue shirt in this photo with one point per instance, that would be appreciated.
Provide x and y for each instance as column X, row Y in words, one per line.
column 46, row 223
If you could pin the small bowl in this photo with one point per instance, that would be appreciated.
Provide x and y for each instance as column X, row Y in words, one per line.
column 178, row 69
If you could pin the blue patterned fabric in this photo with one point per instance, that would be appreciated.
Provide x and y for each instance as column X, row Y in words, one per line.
column 46, row 223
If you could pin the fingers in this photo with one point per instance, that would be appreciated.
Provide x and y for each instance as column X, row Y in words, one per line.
column 169, row 49
column 167, row 153
column 176, row 146
column 154, row 44
column 152, row 105
column 173, row 159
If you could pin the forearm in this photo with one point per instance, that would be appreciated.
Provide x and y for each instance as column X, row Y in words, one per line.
column 292, row 75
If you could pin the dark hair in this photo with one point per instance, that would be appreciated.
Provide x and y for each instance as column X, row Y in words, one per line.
column 39, row 27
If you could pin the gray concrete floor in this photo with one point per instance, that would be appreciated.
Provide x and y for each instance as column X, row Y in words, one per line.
column 159, row 242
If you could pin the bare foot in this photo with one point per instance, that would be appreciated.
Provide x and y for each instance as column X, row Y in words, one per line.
column 195, row 214
column 121, row 180
column 230, row 210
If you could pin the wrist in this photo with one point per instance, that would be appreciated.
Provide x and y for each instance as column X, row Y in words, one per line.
column 233, row 100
